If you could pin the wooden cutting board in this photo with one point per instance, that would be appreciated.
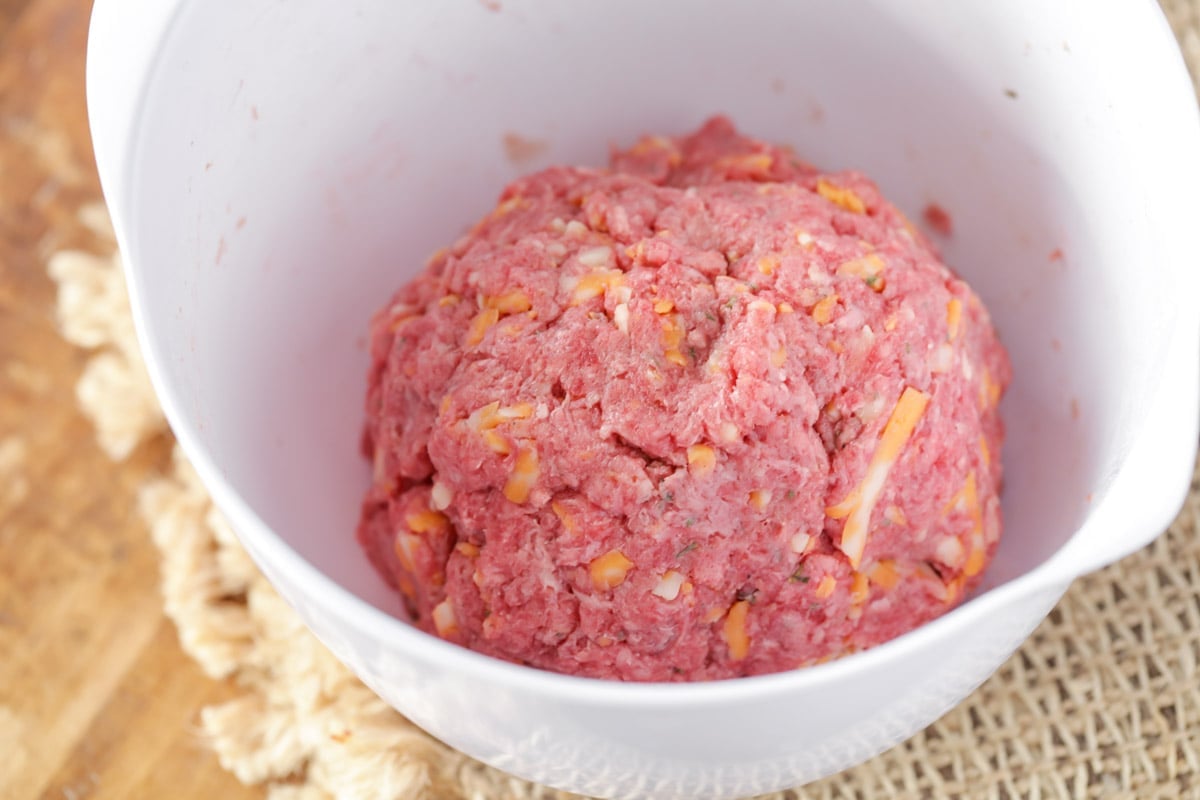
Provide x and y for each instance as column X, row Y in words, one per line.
column 96, row 699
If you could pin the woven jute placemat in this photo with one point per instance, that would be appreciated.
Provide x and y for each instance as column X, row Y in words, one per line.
column 1103, row 701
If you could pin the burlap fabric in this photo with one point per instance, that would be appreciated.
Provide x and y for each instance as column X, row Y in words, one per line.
column 1102, row 701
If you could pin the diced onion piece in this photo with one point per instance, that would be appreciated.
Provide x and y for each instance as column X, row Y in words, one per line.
column 406, row 547
column 621, row 317
column 729, row 432
column 596, row 257
column 942, row 359
column 800, row 542
column 668, row 585
column 609, row 570
column 949, row 551
column 444, row 620
column 440, row 496
column 857, row 507
column 735, row 630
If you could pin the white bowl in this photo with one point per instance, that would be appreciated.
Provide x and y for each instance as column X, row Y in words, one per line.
column 275, row 170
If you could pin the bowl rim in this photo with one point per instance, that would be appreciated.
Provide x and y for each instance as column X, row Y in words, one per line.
column 1048, row 578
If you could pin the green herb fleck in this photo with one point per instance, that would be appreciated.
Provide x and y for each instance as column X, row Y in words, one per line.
column 669, row 496
column 872, row 280
column 799, row 575
column 711, row 316
column 689, row 522
column 791, row 494
column 687, row 548
column 693, row 354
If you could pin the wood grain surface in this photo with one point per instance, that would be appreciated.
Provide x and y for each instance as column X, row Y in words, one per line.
column 96, row 699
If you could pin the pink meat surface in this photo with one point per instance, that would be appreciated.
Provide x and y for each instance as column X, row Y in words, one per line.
column 707, row 413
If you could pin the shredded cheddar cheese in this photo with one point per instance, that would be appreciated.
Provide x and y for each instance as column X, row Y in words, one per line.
column 857, row 507
column 822, row 312
column 426, row 521
column 609, row 570
column 869, row 268
column 496, row 442
column 564, row 516
column 841, row 196
column 953, row 317
column 701, row 459
column 751, row 163
column 735, row 630
column 884, row 574
column 480, row 324
column 825, row 587
column 523, row 476
column 860, row 589
column 514, row 302
column 759, row 498
column 595, row 284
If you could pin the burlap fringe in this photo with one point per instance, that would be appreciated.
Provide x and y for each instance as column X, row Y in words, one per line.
column 1103, row 701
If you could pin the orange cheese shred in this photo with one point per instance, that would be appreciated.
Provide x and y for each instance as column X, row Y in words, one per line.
column 857, row 507
column 735, row 630
column 523, row 476
column 884, row 574
column 841, row 196
column 953, row 317
column 609, row 570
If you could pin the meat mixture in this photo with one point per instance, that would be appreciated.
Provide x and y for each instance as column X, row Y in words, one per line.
column 710, row 412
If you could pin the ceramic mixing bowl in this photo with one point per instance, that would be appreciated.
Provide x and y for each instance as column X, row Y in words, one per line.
column 274, row 170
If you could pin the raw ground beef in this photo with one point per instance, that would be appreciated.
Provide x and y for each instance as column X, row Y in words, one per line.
column 707, row 413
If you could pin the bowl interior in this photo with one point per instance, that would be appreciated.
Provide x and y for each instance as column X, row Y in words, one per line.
column 296, row 164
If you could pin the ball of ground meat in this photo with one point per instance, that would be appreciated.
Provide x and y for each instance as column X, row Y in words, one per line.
column 709, row 412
